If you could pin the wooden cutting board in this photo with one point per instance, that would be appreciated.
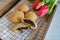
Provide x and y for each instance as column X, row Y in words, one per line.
column 5, row 5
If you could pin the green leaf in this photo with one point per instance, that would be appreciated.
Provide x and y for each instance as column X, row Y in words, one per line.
column 52, row 6
column 46, row 1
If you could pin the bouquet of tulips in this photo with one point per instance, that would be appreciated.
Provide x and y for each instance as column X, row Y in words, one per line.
column 44, row 7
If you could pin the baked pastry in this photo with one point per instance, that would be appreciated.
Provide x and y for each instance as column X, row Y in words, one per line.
column 16, row 16
column 23, row 8
column 30, row 23
column 31, row 15
column 20, row 27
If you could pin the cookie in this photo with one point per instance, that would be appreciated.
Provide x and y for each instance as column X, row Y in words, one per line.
column 16, row 16
column 31, row 15
column 23, row 8
column 31, row 24
column 20, row 27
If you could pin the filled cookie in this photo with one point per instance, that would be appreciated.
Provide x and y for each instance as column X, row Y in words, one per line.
column 23, row 8
column 31, row 15
column 16, row 16
column 31, row 24
column 20, row 27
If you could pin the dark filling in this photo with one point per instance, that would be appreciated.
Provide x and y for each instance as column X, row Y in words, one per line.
column 29, row 22
column 22, row 28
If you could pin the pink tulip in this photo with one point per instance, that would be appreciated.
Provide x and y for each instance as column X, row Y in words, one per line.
column 43, row 11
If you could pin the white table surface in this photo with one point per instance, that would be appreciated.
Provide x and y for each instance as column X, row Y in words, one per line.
column 54, row 30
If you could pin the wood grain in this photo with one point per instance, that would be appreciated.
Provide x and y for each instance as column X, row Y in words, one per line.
column 7, row 7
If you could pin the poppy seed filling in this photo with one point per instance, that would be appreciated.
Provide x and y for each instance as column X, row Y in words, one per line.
column 22, row 28
column 29, row 22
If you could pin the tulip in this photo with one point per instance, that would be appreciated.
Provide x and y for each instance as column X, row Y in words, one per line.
column 39, row 5
column 35, row 4
column 43, row 11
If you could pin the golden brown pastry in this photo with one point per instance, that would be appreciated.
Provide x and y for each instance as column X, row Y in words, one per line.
column 31, row 16
column 31, row 24
column 16, row 16
column 20, row 27
column 23, row 8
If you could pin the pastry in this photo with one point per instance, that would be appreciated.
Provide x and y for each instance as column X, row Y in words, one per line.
column 31, row 15
column 20, row 27
column 16, row 17
column 23, row 8
column 31, row 24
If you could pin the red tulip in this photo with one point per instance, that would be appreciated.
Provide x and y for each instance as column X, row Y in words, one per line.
column 43, row 11
column 35, row 4
column 39, row 5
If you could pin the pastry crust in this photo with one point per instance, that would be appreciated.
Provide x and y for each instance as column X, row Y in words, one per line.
column 31, row 16
column 16, row 16
column 23, row 8
column 34, row 27
column 21, row 26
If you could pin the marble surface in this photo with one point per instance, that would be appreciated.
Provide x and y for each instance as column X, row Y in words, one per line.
column 54, row 30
